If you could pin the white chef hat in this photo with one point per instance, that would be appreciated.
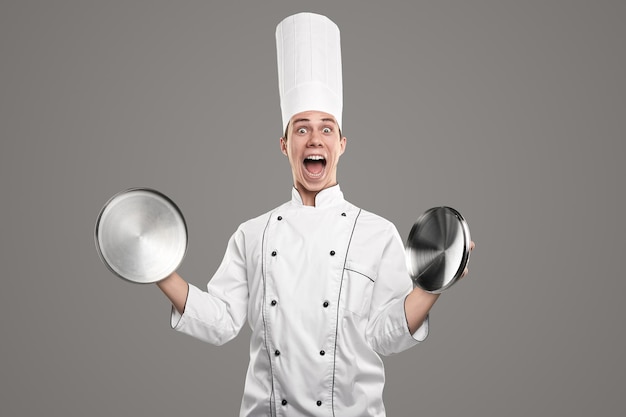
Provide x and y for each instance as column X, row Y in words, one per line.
column 309, row 66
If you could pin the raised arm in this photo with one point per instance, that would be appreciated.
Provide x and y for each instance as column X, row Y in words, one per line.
column 419, row 302
column 176, row 289
column 416, row 307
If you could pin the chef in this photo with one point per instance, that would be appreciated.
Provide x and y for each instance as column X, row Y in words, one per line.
column 322, row 283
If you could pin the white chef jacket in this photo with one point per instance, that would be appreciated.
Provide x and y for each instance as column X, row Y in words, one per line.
column 323, row 290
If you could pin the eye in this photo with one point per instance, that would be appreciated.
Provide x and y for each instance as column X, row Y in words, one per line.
column 327, row 130
column 302, row 130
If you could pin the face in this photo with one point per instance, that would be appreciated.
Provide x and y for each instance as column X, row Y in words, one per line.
column 313, row 146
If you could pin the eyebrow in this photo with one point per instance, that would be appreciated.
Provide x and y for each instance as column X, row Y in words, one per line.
column 327, row 119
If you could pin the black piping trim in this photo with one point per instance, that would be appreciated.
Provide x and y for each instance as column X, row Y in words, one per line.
column 360, row 273
column 338, row 308
column 269, row 357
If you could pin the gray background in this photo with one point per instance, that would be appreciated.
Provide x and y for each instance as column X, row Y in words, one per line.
column 511, row 112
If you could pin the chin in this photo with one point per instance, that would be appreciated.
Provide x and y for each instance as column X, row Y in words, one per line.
column 310, row 186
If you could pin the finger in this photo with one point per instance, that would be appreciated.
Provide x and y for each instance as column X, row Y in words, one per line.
column 472, row 245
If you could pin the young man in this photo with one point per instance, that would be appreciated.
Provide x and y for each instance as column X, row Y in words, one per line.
column 323, row 284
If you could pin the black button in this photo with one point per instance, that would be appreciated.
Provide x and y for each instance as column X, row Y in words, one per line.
column 343, row 214
column 273, row 253
column 332, row 253
column 273, row 302
column 280, row 218
column 319, row 403
column 322, row 352
column 284, row 402
column 277, row 352
column 325, row 304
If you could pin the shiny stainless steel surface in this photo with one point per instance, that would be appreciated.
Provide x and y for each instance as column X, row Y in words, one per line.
column 438, row 249
column 141, row 235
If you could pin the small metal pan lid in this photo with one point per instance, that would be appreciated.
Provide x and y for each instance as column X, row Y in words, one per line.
column 438, row 249
column 141, row 235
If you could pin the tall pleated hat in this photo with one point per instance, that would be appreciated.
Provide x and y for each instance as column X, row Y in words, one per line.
column 309, row 66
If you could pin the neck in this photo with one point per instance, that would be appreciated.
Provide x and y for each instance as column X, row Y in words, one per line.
column 308, row 197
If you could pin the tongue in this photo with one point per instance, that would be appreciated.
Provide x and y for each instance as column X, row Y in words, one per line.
column 314, row 167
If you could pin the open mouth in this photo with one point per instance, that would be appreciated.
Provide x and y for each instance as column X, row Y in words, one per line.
column 314, row 165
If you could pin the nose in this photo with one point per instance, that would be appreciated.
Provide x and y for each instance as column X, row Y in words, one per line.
column 315, row 139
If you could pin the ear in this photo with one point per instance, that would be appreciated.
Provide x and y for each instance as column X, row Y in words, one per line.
column 283, row 146
column 342, row 143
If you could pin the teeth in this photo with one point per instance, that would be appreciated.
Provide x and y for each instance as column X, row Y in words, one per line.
column 315, row 158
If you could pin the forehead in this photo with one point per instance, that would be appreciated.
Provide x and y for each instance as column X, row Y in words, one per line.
column 313, row 116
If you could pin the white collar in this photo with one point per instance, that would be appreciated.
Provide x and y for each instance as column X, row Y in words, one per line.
column 327, row 197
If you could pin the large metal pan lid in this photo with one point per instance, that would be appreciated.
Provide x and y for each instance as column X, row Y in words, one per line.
column 141, row 235
column 438, row 249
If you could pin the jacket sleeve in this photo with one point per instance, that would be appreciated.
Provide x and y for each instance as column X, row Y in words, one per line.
column 218, row 314
column 388, row 331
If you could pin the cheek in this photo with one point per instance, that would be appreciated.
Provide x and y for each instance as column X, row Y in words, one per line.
column 338, row 151
column 291, row 155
